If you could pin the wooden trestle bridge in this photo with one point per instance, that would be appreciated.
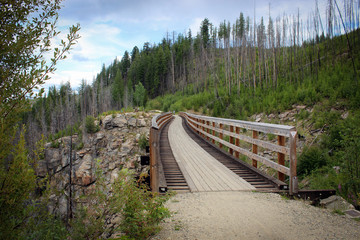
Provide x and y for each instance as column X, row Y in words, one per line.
column 193, row 153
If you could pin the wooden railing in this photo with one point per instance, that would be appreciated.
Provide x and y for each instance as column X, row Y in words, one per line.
column 157, row 177
column 238, row 140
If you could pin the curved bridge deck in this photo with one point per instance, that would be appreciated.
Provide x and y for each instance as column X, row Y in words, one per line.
column 201, row 170
column 192, row 164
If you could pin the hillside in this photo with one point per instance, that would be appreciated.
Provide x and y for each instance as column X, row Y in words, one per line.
column 70, row 158
column 263, row 74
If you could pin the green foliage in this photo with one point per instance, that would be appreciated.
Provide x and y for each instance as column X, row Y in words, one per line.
column 23, row 55
column 205, row 34
column 141, row 209
column 90, row 125
column 43, row 225
column 23, row 67
column 324, row 178
column 111, row 112
column 68, row 131
column 18, row 182
column 154, row 104
column 55, row 144
column 339, row 148
column 303, row 114
column 143, row 142
column 349, row 156
column 177, row 107
column 311, row 158
column 27, row 28
column 139, row 95
column 117, row 89
column 22, row 215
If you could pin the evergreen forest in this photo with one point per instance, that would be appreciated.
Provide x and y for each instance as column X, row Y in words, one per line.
column 236, row 70
column 231, row 70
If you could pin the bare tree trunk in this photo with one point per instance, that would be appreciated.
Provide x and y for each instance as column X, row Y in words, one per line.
column 172, row 70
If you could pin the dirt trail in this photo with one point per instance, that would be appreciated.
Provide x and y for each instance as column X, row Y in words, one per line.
column 250, row 215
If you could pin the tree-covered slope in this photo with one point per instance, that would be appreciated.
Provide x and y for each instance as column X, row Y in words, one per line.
column 235, row 70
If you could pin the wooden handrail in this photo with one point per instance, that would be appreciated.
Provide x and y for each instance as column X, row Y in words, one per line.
column 221, row 127
column 157, row 177
column 159, row 119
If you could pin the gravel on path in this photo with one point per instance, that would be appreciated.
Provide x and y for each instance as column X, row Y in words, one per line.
column 251, row 215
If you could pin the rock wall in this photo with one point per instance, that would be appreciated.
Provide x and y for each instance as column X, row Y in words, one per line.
column 113, row 147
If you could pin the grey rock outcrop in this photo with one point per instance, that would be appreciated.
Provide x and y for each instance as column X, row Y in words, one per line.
column 113, row 147
column 336, row 203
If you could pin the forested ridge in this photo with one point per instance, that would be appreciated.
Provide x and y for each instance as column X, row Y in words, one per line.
column 275, row 62
column 232, row 70
column 235, row 70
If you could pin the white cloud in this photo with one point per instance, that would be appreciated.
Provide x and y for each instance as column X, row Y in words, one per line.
column 195, row 26
column 97, row 41
column 73, row 76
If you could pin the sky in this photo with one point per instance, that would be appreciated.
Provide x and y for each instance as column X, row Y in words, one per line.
column 111, row 27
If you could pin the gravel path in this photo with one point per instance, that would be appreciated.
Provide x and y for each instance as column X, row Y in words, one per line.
column 250, row 215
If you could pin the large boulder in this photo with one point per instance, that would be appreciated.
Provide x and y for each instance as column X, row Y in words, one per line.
column 132, row 122
column 336, row 203
column 107, row 122
column 119, row 121
column 141, row 123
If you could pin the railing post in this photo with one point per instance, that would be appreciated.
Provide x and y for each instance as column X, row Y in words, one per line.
column 207, row 130
column 254, row 148
column 213, row 132
column 281, row 157
column 197, row 126
column 221, row 135
column 231, row 151
column 293, row 176
column 237, row 142
column 203, row 128
column 192, row 124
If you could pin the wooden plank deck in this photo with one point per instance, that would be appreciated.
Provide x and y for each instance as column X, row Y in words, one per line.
column 201, row 170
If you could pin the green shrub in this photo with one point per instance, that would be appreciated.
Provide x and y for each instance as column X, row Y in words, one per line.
column 143, row 142
column 79, row 146
column 303, row 114
column 23, row 215
column 324, row 178
column 55, row 144
column 90, row 126
column 141, row 210
column 311, row 159
column 177, row 107
column 349, row 157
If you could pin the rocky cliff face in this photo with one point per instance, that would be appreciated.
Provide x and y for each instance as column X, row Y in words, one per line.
column 113, row 147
